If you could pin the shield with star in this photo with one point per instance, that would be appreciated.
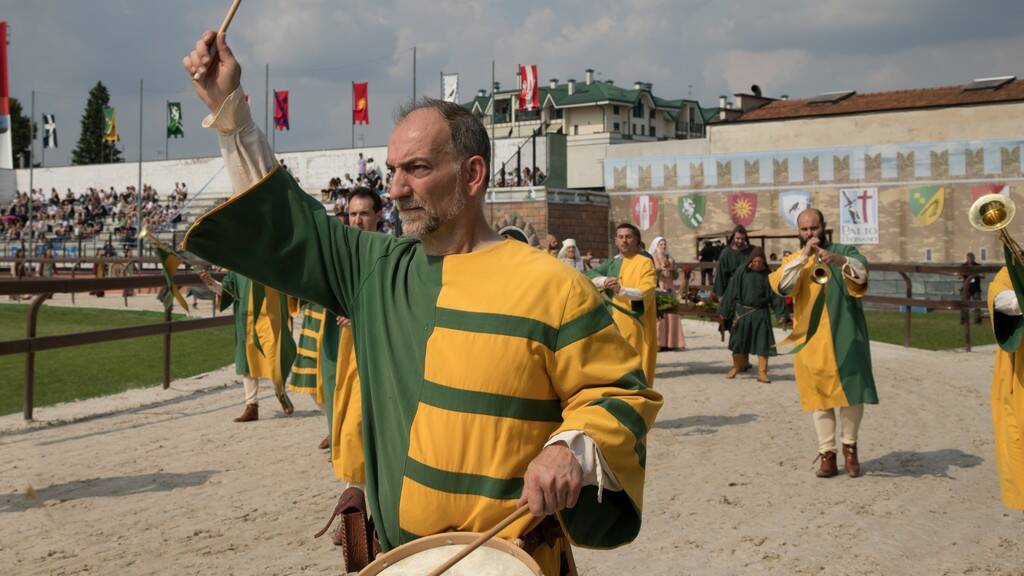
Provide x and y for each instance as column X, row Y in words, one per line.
column 742, row 207
column 926, row 203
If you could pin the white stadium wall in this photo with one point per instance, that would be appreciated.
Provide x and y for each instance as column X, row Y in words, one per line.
column 313, row 169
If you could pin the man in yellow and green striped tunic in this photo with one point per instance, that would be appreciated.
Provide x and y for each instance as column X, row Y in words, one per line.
column 630, row 281
column 496, row 377
column 264, row 348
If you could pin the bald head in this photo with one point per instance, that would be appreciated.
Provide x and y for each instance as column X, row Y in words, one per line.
column 811, row 223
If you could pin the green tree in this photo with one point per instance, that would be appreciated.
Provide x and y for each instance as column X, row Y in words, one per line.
column 91, row 148
column 21, row 141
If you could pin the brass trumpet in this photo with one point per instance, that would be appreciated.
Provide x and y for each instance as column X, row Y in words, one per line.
column 993, row 213
column 820, row 273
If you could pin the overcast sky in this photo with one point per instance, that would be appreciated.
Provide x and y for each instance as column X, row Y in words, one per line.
column 316, row 48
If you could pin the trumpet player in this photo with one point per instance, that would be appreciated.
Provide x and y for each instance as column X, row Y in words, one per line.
column 1008, row 391
column 833, row 369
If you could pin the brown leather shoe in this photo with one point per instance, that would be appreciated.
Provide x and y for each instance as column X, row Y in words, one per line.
column 250, row 414
column 286, row 404
column 828, row 466
column 851, row 461
column 325, row 443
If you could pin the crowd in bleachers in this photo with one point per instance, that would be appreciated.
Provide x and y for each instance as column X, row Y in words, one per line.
column 88, row 214
column 369, row 175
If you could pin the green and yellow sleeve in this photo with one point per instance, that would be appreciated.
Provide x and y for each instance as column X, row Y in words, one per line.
column 278, row 235
column 604, row 394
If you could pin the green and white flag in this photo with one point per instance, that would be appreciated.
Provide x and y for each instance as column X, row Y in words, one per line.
column 174, row 128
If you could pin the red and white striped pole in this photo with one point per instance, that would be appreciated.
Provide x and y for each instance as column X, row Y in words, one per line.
column 6, row 149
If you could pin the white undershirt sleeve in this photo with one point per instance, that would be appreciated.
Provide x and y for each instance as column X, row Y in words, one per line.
column 247, row 154
column 1006, row 302
column 791, row 273
column 596, row 471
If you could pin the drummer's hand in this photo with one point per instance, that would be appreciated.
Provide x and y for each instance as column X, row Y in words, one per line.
column 553, row 481
column 218, row 80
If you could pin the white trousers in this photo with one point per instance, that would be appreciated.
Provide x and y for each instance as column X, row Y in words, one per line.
column 825, row 426
column 252, row 389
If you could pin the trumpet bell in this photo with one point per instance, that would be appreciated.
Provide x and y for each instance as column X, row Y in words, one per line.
column 820, row 274
column 992, row 212
column 144, row 233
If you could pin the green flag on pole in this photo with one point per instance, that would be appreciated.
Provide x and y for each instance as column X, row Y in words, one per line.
column 174, row 127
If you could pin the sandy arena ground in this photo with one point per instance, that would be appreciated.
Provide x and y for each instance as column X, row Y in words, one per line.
column 163, row 482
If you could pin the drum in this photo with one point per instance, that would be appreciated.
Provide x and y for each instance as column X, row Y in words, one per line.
column 496, row 557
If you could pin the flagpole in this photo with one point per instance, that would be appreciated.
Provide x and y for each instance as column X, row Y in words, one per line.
column 42, row 149
column 353, row 114
column 273, row 133
column 138, row 191
column 414, row 75
column 31, row 175
column 494, row 105
column 167, row 135
column 266, row 98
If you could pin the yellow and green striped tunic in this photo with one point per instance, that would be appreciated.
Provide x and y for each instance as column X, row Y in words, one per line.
column 473, row 362
column 306, row 376
column 272, row 357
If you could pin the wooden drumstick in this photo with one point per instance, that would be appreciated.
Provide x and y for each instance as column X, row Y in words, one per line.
column 519, row 513
column 223, row 28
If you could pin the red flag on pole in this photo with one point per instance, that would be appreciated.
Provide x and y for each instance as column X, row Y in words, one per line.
column 281, row 110
column 360, row 103
column 529, row 92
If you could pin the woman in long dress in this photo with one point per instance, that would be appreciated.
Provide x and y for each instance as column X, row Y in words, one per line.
column 747, row 302
column 670, row 326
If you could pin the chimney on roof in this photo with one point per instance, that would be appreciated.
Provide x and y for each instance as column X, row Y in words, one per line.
column 721, row 101
column 571, row 83
column 497, row 86
column 610, row 82
column 553, row 83
column 755, row 90
column 590, row 76
column 638, row 85
column 784, row 97
column 648, row 86
column 481, row 93
column 519, row 82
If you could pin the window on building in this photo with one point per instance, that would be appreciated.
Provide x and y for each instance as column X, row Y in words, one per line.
column 643, row 130
column 652, row 115
column 652, row 131
column 983, row 254
column 559, row 113
column 575, row 129
column 615, row 110
column 634, row 129
column 927, row 254
column 638, row 110
column 615, row 127
column 693, row 115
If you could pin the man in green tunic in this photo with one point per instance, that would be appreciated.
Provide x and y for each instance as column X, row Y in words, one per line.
column 747, row 302
column 495, row 375
column 732, row 258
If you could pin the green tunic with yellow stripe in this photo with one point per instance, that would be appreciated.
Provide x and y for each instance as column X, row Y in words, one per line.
column 273, row 355
column 474, row 361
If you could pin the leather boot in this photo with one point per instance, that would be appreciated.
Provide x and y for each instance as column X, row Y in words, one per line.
column 737, row 366
column 325, row 443
column 744, row 362
column 851, row 462
column 762, row 369
column 828, row 466
column 250, row 414
column 286, row 404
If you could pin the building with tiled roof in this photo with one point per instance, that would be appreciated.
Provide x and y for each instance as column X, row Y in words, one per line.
column 895, row 171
